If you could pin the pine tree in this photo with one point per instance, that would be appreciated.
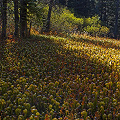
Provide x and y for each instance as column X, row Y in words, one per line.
column 4, row 19
column 16, row 17
column 80, row 7
column 23, row 18
column 102, row 10
column 49, row 16
column 108, row 12
column 0, row 12
column 116, row 19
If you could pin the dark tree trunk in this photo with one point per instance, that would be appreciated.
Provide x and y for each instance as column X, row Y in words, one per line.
column 116, row 20
column 49, row 16
column 0, row 29
column 4, row 26
column 16, row 17
column 101, row 10
column 4, row 19
column 23, row 18
column 0, row 15
column 30, row 27
column 104, row 12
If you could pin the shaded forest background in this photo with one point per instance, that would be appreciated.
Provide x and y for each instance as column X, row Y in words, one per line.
column 108, row 11
column 94, row 17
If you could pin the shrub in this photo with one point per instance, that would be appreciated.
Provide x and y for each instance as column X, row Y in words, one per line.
column 104, row 31
column 62, row 20
column 93, row 27
column 93, row 21
column 92, row 30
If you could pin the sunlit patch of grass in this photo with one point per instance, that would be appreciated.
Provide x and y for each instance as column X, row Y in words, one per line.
column 104, row 42
column 107, row 56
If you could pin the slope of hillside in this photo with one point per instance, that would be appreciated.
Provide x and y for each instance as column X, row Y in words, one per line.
column 48, row 77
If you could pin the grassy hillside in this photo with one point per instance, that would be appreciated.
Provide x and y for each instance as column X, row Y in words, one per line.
column 46, row 77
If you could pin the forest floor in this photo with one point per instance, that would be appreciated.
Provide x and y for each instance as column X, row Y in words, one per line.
column 46, row 77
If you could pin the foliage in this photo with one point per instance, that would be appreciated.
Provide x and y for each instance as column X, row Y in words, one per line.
column 46, row 77
column 108, row 11
column 82, row 8
column 93, row 27
column 92, row 21
column 104, row 31
column 92, row 30
column 62, row 20
column 37, row 15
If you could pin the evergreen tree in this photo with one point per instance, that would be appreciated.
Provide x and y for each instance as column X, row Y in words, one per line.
column 49, row 16
column 116, row 18
column 25, row 6
column 80, row 7
column 0, row 12
column 109, row 15
column 23, row 18
column 102, row 10
column 4, row 18
column 16, row 17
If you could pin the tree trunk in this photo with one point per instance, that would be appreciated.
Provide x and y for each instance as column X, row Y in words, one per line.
column 4, row 26
column 0, row 16
column 30, row 28
column 0, row 29
column 49, row 16
column 116, row 20
column 101, row 10
column 23, row 18
column 104, row 12
column 4, row 19
column 16, row 17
